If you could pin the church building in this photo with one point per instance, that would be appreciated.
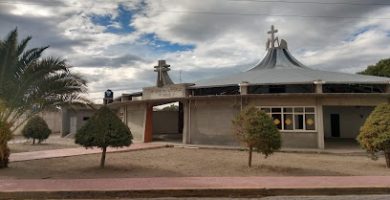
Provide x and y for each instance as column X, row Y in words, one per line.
column 308, row 106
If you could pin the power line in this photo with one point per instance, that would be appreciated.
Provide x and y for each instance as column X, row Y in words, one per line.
column 313, row 2
column 267, row 14
column 244, row 14
column 55, row 3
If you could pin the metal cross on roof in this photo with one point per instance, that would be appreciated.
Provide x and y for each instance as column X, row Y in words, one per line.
column 271, row 41
column 162, row 76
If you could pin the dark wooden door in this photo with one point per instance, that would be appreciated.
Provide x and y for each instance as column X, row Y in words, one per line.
column 148, row 134
column 335, row 125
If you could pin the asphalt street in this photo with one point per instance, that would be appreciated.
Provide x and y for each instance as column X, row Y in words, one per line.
column 341, row 197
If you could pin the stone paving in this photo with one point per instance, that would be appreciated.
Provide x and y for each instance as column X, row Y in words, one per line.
column 197, row 186
column 56, row 153
column 184, row 186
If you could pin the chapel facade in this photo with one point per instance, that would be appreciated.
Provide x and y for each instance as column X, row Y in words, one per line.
column 308, row 106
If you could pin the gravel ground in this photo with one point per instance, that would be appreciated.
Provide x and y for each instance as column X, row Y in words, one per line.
column 20, row 144
column 179, row 162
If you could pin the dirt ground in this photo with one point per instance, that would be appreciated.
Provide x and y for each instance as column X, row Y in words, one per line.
column 55, row 141
column 176, row 162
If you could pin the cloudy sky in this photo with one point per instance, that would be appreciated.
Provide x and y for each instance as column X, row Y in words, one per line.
column 116, row 43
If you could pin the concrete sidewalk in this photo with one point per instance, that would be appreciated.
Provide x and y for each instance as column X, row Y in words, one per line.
column 194, row 186
column 57, row 153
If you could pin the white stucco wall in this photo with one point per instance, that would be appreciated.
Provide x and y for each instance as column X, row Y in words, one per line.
column 136, row 120
column 78, row 118
column 53, row 120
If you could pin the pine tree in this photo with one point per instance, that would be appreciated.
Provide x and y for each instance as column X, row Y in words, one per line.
column 104, row 129
column 37, row 129
column 374, row 135
column 256, row 130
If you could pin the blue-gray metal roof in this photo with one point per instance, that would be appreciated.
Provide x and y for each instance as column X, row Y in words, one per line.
column 280, row 67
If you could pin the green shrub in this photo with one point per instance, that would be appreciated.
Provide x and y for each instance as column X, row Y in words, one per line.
column 374, row 135
column 37, row 129
column 104, row 129
column 257, row 131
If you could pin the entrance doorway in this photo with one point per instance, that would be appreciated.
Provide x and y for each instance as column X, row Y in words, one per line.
column 165, row 123
column 342, row 125
column 335, row 125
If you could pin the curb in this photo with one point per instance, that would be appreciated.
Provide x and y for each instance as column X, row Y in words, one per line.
column 286, row 150
column 193, row 192
column 13, row 159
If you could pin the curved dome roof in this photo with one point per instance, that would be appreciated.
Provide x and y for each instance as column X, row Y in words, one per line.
column 279, row 57
column 280, row 67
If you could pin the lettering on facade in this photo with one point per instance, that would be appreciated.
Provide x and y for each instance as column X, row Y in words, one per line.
column 164, row 92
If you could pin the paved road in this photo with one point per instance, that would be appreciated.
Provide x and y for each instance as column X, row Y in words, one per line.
column 352, row 197
column 342, row 197
column 349, row 197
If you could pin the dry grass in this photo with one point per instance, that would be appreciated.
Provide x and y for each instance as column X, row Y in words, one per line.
column 19, row 144
column 176, row 162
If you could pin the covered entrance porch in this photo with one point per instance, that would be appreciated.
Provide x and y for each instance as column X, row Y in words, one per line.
column 342, row 125
column 164, row 122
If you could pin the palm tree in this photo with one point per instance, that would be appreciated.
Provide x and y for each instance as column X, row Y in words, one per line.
column 30, row 84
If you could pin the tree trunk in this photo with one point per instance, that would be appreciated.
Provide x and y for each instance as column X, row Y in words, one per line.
column 387, row 157
column 103, row 159
column 4, row 155
column 250, row 157
column 33, row 140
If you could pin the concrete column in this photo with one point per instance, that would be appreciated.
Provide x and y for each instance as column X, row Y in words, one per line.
column 148, row 128
column 186, row 128
column 387, row 88
column 318, row 86
column 320, row 124
column 125, row 114
column 243, row 87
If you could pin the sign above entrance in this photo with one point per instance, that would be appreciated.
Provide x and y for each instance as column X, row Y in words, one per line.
column 166, row 92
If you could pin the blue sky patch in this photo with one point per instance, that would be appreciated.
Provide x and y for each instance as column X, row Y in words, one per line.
column 123, row 20
column 157, row 44
column 358, row 32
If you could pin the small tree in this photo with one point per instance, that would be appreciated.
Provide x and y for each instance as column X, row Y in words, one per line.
column 36, row 128
column 102, row 130
column 374, row 135
column 256, row 130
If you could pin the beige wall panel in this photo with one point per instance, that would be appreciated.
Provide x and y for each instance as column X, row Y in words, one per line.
column 299, row 140
column 211, row 122
column 53, row 120
column 165, row 122
column 351, row 119
column 354, row 101
column 80, row 118
column 136, row 120
column 282, row 101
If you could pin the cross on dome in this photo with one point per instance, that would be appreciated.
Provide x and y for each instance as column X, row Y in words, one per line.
column 271, row 41
column 162, row 74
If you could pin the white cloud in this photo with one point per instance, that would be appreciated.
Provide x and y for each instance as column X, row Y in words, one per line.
column 348, row 40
